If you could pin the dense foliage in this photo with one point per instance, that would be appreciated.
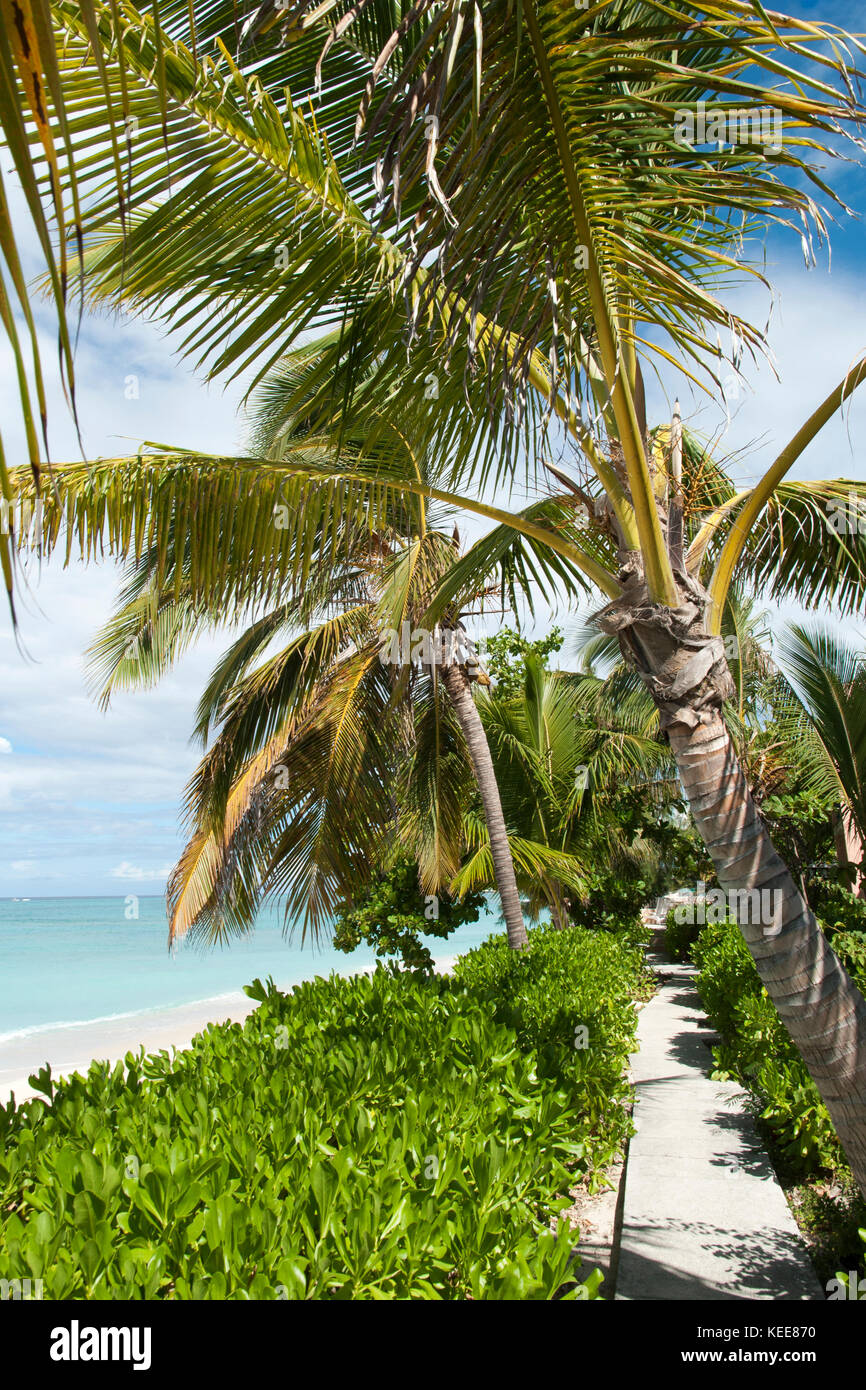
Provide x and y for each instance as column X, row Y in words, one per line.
column 843, row 918
column 506, row 653
column 614, row 896
column 392, row 915
column 681, row 936
column 392, row 1136
column 569, row 997
column 839, row 910
column 800, row 826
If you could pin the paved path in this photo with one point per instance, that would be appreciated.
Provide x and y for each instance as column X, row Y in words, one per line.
column 703, row 1214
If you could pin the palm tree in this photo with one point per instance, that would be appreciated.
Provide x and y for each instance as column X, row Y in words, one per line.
column 559, row 750
column 336, row 742
column 522, row 203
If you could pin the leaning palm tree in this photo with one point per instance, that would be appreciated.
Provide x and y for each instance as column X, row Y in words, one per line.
column 510, row 217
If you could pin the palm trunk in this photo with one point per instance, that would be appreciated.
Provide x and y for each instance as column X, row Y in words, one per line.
column 687, row 675
column 823, row 1011
column 560, row 921
column 458, row 685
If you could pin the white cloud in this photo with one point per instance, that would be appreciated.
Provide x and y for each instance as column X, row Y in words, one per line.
column 815, row 336
column 102, row 790
column 132, row 872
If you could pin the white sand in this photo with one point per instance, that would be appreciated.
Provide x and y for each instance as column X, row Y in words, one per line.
column 71, row 1049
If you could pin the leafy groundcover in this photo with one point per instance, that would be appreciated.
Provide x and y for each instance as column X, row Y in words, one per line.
column 387, row 1136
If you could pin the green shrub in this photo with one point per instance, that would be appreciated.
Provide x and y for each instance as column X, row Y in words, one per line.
column 386, row 1136
column 392, row 915
column 569, row 996
column 756, row 1050
column 838, row 909
column 843, row 917
column 601, row 912
column 680, row 937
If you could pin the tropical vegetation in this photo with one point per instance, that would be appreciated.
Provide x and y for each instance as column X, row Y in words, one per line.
column 492, row 227
column 395, row 1135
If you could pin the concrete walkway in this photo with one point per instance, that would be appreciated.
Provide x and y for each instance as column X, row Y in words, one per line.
column 703, row 1214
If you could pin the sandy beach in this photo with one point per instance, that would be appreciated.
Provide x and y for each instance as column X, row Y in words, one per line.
column 72, row 1048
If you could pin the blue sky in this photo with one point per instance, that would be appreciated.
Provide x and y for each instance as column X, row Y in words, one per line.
column 89, row 802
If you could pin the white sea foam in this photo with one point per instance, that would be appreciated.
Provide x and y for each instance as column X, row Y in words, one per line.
column 153, row 1009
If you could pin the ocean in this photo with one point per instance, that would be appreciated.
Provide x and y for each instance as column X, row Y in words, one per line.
column 69, row 962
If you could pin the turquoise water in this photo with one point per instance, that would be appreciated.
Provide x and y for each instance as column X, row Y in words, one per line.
column 74, row 960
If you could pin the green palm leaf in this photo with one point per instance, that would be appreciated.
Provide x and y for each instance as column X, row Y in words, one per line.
column 829, row 677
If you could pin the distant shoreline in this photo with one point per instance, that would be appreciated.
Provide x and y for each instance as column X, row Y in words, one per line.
column 64, row 897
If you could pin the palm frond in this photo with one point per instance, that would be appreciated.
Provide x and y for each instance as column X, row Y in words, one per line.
column 145, row 635
column 534, row 862
column 809, row 543
column 290, row 801
column 829, row 677
column 251, row 527
column 457, row 218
